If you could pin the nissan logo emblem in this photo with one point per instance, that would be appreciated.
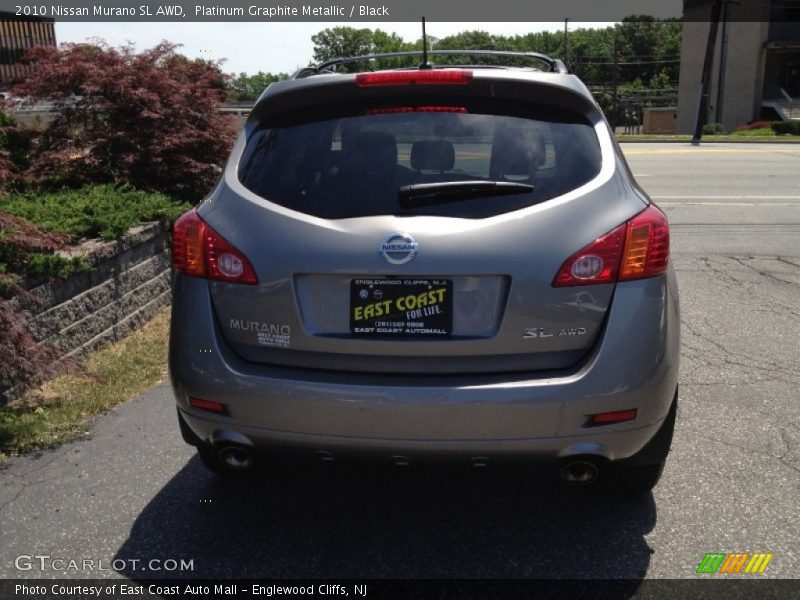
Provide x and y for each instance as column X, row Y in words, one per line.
column 398, row 248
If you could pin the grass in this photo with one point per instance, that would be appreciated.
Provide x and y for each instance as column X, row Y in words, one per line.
column 64, row 408
column 761, row 131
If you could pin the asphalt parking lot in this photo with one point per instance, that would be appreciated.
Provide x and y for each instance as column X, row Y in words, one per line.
column 133, row 490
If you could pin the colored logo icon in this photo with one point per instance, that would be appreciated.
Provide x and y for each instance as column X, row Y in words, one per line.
column 734, row 562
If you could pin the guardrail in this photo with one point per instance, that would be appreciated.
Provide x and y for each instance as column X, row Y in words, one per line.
column 49, row 109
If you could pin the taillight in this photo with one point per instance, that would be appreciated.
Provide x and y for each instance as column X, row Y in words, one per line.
column 635, row 250
column 646, row 245
column 596, row 263
column 200, row 251
column 423, row 77
column 407, row 109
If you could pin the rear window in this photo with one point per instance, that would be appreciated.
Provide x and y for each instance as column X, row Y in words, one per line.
column 353, row 163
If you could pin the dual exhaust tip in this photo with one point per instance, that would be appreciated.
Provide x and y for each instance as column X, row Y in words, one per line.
column 580, row 472
column 574, row 472
column 235, row 458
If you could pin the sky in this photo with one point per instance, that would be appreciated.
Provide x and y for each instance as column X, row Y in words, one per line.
column 268, row 47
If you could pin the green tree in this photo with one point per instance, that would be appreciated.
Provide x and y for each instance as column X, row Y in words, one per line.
column 339, row 42
column 477, row 40
column 660, row 81
column 246, row 87
column 645, row 48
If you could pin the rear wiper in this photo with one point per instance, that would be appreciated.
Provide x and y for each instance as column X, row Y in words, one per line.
column 422, row 194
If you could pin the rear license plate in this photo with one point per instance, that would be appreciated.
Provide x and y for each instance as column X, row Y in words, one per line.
column 401, row 308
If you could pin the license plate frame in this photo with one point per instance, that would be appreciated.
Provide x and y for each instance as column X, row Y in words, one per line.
column 401, row 308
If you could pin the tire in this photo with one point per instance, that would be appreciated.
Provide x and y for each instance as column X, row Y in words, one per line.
column 631, row 480
column 189, row 436
column 640, row 473
column 208, row 456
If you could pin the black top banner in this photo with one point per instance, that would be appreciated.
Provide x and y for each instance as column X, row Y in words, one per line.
column 347, row 10
column 381, row 10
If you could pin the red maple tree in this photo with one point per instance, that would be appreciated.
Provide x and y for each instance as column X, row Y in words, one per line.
column 149, row 119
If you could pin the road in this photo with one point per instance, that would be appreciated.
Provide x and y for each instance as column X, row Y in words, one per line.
column 132, row 490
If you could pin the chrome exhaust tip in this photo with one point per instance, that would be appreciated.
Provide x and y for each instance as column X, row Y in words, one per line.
column 580, row 472
column 400, row 461
column 235, row 457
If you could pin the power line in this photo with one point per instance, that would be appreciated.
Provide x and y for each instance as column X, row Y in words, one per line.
column 643, row 62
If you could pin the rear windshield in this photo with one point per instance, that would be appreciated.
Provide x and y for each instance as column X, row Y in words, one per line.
column 353, row 165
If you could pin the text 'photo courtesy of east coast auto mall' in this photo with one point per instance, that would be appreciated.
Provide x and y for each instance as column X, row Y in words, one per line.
column 400, row 299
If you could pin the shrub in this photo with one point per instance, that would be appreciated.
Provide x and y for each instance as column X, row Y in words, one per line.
column 23, row 362
column 713, row 129
column 149, row 119
column 8, row 170
column 55, row 265
column 106, row 211
column 786, row 127
column 26, row 254
column 754, row 125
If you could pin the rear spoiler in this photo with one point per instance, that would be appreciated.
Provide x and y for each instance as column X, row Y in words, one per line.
column 309, row 93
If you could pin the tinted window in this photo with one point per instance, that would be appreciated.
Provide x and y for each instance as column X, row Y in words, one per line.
column 353, row 165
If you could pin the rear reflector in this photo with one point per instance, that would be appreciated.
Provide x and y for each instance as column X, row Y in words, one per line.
column 429, row 77
column 200, row 251
column 407, row 109
column 608, row 418
column 216, row 407
column 635, row 250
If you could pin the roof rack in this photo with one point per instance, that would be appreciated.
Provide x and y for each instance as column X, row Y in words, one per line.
column 554, row 64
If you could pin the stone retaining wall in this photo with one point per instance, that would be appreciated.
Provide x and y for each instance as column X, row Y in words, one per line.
column 128, row 284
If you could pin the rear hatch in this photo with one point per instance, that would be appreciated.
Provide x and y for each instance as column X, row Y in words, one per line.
column 418, row 228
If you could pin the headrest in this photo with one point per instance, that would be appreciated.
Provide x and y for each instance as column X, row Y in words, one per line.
column 374, row 150
column 514, row 157
column 432, row 155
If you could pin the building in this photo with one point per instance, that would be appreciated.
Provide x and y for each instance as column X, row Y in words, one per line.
column 758, row 47
column 16, row 36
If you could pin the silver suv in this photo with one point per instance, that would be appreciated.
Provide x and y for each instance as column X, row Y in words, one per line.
column 438, row 262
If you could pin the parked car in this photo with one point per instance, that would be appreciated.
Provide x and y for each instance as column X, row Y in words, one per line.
column 448, row 263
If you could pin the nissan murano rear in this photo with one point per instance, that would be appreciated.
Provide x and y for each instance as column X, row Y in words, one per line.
column 446, row 263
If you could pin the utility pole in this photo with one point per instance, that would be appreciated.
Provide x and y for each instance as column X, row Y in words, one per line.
column 615, row 80
column 723, row 55
column 708, row 63
column 566, row 43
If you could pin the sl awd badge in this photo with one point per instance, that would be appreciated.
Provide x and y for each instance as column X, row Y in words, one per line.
column 541, row 332
column 398, row 248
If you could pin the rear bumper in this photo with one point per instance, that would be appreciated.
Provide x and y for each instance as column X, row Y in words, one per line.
column 610, row 445
column 536, row 415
